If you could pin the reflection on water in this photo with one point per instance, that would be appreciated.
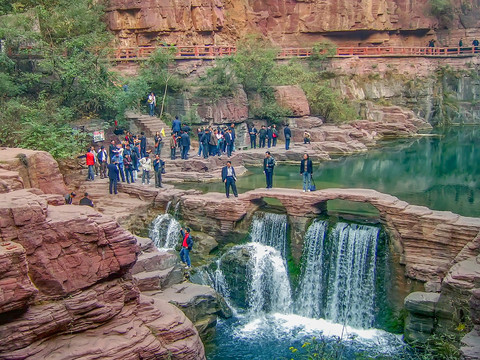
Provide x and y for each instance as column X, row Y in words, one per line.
column 441, row 172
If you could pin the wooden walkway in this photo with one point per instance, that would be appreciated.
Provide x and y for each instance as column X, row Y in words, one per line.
column 212, row 52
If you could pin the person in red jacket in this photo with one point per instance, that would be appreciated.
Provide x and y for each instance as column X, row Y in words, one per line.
column 91, row 165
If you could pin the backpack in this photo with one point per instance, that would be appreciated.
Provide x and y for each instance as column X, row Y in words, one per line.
column 190, row 242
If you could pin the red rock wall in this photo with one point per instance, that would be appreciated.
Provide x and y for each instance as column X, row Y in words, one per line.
column 22, row 168
column 65, row 269
column 285, row 22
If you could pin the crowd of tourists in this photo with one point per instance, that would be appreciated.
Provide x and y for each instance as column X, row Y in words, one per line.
column 130, row 159
column 123, row 161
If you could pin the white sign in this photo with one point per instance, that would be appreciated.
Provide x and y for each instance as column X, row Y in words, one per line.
column 98, row 136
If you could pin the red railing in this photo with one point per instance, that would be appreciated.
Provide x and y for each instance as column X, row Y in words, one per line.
column 142, row 53
column 211, row 52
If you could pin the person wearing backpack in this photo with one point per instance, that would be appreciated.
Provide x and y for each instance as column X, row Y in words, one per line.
column 306, row 170
column 187, row 244
column 268, row 166
column 274, row 135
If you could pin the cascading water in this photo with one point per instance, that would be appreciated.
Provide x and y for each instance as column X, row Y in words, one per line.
column 267, row 286
column 351, row 293
column 339, row 273
column 270, row 229
column 335, row 296
column 164, row 231
column 269, row 289
column 311, row 284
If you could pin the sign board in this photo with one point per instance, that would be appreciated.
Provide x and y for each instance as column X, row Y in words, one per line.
column 98, row 136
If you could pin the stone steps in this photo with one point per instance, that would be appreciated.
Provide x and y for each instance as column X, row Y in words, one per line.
column 148, row 124
column 158, row 279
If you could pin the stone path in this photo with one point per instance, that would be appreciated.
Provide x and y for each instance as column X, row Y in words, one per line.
column 148, row 124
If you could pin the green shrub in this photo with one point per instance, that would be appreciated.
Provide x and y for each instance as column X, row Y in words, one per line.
column 253, row 62
column 442, row 10
column 218, row 82
column 328, row 102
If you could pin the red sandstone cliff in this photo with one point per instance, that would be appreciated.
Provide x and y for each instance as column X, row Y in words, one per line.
column 66, row 290
column 286, row 22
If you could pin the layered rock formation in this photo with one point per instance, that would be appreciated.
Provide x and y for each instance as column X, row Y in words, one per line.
column 22, row 168
column 65, row 283
column 65, row 270
column 286, row 22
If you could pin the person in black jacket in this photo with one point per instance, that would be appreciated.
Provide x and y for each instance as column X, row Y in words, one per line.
column 288, row 134
column 232, row 130
column 262, row 135
column 268, row 166
column 229, row 178
column 143, row 144
column 253, row 137
column 86, row 201
column 269, row 136
column 185, row 143
column 306, row 170
column 112, row 150
column 113, row 175
column 205, row 141
column 229, row 141
column 158, row 168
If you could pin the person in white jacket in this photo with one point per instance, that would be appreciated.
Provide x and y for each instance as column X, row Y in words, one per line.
column 146, row 164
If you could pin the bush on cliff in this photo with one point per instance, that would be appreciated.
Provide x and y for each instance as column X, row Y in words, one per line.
column 157, row 74
column 54, row 72
column 442, row 10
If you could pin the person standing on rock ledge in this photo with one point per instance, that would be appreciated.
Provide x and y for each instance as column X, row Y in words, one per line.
column 187, row 244
column 253, row 137
column 113, row 175
column 152, row 102
column 306, row 170
column 229, row 178
column 262, row 135
column 268, row 166
column 288, row 135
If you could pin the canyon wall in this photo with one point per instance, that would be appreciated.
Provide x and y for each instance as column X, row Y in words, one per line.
column 288, row 22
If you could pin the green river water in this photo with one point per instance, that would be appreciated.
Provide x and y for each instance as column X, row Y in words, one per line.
column 440, row 172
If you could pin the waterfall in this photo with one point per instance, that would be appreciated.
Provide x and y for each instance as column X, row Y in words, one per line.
column 270, row 229
column 269, row 288
column 311, row 285
column 337, row 280
column 218, row 280
column 167, row 208
column 351, row 277
column 177, row 209
column 338, row 274
column 164, row 231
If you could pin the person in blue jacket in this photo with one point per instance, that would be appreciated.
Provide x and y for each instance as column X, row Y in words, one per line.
column 176, row 126
column 288, row 135
column 113, row 176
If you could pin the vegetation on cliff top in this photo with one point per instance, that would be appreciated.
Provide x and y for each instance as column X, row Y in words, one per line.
column 54, row 73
